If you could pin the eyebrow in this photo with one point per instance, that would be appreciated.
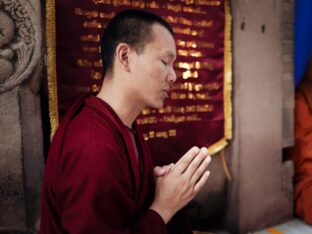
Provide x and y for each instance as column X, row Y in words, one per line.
column 170, row 54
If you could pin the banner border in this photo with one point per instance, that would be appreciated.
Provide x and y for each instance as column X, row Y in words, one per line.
column 51, row 66
column 227, row 83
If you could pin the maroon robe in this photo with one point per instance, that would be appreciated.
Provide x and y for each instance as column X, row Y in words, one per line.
column 94, row 182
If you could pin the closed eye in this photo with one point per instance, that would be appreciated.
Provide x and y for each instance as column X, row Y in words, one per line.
column 164, row 62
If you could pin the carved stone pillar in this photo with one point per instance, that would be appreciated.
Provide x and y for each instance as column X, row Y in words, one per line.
column 21, row 150
column 261, row 191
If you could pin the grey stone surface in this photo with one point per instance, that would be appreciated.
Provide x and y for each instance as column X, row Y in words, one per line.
column 292, row 226
column 21, row 151
column 12, row 194
column 287, row 30
column 212, row 196
column 288, row 46
column 32, row 151
column 210, row 202
column 288, row 67
column 259, row 194
column 20, row 41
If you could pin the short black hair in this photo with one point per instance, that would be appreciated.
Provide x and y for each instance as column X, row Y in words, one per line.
column 129, row 26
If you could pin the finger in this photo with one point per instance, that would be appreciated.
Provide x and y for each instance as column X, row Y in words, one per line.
column 193, row 167
column 171, row 166
column 187, row 158
column 159, row 171
column 199, row 185
column 201, row 169
column 167, row 168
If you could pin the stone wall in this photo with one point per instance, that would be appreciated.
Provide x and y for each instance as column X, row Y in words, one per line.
column 21, row 150
column 261, row 192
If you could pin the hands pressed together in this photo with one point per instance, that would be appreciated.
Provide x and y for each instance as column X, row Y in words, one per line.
column 177, row 184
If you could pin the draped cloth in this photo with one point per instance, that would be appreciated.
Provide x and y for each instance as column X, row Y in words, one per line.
column 301, row 154
column 94, row 182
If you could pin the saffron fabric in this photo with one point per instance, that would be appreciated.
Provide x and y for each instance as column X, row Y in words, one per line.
column 302, row 152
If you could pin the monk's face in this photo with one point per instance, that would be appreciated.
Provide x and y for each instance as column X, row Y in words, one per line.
column 152, row 70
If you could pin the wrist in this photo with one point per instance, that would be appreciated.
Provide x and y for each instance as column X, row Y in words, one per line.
column 165, row 214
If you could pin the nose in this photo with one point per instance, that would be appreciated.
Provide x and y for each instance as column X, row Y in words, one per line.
column 172, row 77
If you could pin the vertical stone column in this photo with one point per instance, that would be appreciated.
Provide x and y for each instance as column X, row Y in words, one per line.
column 287, row 40
column 21, row 151
column 261, row 191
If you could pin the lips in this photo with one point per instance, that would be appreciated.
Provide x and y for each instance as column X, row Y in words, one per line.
column 166, row 92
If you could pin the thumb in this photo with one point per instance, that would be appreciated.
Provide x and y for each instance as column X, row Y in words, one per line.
column 159, row 171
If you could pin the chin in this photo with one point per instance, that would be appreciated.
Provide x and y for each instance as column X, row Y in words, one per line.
column 160, row 106
column 156, row 105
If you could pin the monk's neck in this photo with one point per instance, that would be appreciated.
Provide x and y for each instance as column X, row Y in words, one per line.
column 125, row 107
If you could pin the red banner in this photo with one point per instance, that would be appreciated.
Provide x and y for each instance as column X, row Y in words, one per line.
column 198, row 111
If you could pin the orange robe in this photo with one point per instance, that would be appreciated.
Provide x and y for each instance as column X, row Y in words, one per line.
column 302, row 153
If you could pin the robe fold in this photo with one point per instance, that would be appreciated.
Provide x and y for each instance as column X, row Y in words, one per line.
column 301, row 153
column 94, row 182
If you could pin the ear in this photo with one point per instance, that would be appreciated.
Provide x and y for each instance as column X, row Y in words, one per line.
column 123, row 56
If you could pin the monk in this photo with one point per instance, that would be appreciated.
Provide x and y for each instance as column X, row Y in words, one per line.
column 302, row 152
column 99, row 176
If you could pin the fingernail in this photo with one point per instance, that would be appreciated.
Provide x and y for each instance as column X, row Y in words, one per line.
column 196, row 150
column 208, row 158
column 204, row 150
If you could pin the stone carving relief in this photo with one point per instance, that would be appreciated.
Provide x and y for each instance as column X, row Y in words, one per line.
column 20, row 41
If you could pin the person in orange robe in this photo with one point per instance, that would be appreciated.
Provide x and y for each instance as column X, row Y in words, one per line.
column 301, row 154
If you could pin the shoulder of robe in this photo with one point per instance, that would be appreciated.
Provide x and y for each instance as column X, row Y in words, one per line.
column 92, row 157
column 89, row 126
